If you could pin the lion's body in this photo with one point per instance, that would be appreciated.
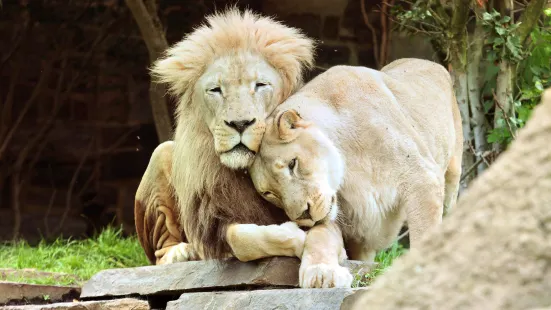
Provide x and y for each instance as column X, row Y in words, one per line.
column 387, row 142
column 229, row 74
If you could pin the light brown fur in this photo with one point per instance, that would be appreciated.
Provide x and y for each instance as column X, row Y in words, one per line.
column 193, row 200
column 494, row 251
column 378, row 146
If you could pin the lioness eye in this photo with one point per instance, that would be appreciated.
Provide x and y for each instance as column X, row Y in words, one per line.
column 259, row 85
column 266, row 193
column 292, row 164
column 216, row 90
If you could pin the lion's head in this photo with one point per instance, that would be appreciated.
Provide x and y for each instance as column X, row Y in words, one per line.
column 298, row 168
column 231, row 73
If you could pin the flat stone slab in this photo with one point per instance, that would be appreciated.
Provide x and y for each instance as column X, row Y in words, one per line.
column 116, row 304
column 11, row 292
column 303, row 299
column 174, row 279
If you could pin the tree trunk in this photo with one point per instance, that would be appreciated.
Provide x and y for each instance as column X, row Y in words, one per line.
column 504, row 84
column 504, row 107
column 477, row 110
column 462, row 93
column 458, row 56
column 153, row 35
column 529, row 18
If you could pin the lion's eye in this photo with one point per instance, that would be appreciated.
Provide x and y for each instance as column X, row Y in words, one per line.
column 259, row 85
column 292, row 164
column 217, row 90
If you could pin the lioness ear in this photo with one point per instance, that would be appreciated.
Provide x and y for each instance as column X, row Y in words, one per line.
column 288, row 123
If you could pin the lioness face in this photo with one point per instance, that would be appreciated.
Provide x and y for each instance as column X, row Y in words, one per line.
column 298, row 169
column 239, row 92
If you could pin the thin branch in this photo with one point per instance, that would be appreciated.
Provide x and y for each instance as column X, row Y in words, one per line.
column 471, row 169
column 15, row 46
column 373, row 33
column 48, row 210
column 401, row 236
column 505, row 115
column 384, row 36
column 68, row 198
column 34, row 95
column 8, row 103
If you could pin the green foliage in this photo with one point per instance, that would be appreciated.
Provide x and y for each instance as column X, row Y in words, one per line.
column 502, row 37
column 533, row 75
column 82, row 258
column 531, row 59
column 384, row 259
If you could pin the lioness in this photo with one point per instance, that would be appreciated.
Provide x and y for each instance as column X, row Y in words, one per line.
column 358, row 151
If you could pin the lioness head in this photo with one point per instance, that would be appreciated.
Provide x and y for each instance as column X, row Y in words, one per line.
column 298, row 169
column 232, row 72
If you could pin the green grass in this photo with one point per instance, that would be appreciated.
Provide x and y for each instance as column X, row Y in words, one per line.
column 82, row 258
column 384, row 260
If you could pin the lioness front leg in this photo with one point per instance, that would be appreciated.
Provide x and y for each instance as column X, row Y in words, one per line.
column 323, row 253
column 250, row 241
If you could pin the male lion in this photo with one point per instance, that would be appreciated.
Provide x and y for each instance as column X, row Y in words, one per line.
column 193, row 202
column 387, row 143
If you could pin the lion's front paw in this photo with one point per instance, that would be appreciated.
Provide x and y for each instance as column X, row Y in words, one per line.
column 181, row 252
column 324, row 276
column 297, row 235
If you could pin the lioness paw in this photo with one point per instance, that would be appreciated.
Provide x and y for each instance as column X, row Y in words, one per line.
column 324, row 276
column 297, row 235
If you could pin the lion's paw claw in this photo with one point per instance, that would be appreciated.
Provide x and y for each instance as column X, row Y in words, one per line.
column 324, row 276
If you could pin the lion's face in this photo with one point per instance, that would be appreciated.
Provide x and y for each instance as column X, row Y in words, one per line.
column 298, row 169
column 238, row 93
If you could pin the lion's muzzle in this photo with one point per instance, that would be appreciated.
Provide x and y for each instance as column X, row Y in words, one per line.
column 237, row 142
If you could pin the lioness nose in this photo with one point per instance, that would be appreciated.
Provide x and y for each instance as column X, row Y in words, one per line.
column 240, row 126
column 306, row 214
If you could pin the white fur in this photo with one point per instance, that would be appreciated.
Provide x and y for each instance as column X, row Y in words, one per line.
column 387, row 141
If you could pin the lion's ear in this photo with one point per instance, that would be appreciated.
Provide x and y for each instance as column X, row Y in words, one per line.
column 288, row 124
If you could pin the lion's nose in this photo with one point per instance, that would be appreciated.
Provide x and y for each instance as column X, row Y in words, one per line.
column 306, row 214
column 240, row 126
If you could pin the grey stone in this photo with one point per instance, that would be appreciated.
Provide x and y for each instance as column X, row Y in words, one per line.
column 13, row 292
column 116, row 304
column 303, row 299
column 275, row 272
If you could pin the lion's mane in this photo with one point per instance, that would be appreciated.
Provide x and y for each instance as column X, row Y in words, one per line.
column 209, row 195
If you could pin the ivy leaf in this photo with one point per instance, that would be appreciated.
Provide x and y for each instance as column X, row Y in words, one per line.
column 500, row 30
column 488, row 104
column 492, row 137
column 512, row 47
column 487, row 16
column 539, row 86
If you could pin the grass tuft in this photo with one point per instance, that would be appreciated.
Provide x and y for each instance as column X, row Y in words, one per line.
column 82, row 258
column 384, row 260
